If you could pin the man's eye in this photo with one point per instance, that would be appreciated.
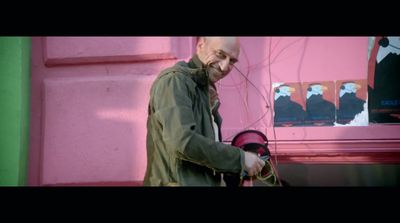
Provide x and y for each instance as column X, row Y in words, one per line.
column 219, row 54
column 232, row 61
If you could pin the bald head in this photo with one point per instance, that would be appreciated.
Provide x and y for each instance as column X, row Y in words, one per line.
column 226, row 42
column 218, row 54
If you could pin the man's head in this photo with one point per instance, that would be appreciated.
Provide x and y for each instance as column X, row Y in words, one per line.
column 218, row 54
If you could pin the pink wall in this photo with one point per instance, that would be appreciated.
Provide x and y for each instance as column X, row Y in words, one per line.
column 89, row 106
column 303, row 59
column 89, row 99
column 291, row 59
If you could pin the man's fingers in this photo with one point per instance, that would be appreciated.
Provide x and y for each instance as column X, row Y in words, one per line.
column 254, row 163
column 261, row 165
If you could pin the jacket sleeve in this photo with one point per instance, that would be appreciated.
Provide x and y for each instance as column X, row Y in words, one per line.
column 173, row 109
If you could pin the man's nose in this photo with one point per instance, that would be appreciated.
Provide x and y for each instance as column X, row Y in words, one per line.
column 224, row 65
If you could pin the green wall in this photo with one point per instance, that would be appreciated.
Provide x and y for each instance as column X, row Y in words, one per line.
column 14, row 107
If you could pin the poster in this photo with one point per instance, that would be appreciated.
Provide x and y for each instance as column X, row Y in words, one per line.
column 288, row 106
column 320, row 103
column 384, row 80
column 327, row 103
column 351, row 102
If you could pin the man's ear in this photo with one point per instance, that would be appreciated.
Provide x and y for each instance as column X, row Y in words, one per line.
column 200, row 43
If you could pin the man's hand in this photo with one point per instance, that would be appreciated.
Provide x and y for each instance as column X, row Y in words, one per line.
column 253, row 163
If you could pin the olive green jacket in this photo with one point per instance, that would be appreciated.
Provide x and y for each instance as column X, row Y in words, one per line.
column 181, row 146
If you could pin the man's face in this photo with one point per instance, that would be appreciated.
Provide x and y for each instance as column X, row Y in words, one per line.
column 218, row 54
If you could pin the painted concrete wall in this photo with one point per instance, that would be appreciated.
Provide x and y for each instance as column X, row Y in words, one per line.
column 89, row 103
column 248, row 102
column 89, row 106
column 336, row 175
column 14, row 107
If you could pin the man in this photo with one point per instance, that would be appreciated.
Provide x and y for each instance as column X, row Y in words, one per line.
column 183, row 126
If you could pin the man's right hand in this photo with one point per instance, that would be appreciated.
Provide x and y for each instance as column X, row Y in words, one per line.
column 253, row 163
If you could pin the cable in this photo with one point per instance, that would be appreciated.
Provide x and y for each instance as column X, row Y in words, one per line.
column 271, row 173
column 265, row 100
column 226, row 139
column 245, row 102
column 268, row 102
column 270, row 82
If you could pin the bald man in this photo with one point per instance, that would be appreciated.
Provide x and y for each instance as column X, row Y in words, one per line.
column 184, row 126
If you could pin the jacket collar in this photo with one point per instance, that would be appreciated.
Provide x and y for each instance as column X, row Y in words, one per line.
column 197, row 71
